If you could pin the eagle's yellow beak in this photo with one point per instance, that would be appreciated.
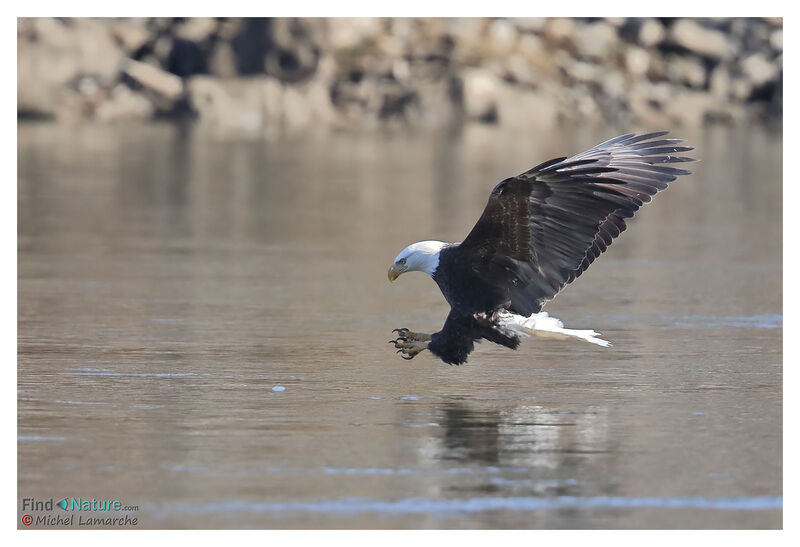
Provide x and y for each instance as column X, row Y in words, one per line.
column 394, row 272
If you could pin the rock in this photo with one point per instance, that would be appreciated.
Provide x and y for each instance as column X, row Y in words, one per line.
column 98, row 52
column 239, row 104
column 292, row 64
column 348, row 33
column 750, row 35
column 318, row 92
column 187, row 58
column 518, row 70
column 292, row 54
column 257, row 103
column 530, row 24
column 39, row 80
column 296, row 110
column 776, row 39
column 647, row 103
column 686, row 70
column 651, row 33
column 272, row 94
column 467, row 34
column 580, row 71
column 391, row 46
column 530, row 46
column 559, row 29
column 689, row 108
column 741, row 88
column 222, row 61
column 580, row 106
column 480, row 89
column 719, row 84
column 595, row 40
column 26, row 29
column 404, row 29
column 151, row 77
column 51, row 32
column 307, row 104
column 400, row 70
column 250, row 42
column 502, row 36
column 637, row 61
column 86, row 41
column 228, row 29
column 88, row 87
column 196, row 29
column 131, row 33
column 162, row 48
column 704, row 41
column 123, row 104
column 759, row 70
column 613, row 84
column 53, row 58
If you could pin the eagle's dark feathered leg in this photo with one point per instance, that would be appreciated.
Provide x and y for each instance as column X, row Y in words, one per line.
column 410, row 343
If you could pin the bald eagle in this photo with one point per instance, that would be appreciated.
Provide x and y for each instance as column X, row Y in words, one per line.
column 539, row 231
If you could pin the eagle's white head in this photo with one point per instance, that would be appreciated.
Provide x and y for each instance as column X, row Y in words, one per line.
column 422, row 256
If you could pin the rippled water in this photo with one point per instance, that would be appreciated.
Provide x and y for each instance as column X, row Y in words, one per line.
column 171, row 282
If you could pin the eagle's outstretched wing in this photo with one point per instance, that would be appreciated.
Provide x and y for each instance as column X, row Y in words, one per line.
column 542, row 229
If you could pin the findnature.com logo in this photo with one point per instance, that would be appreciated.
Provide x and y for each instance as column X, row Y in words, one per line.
column 78, row 505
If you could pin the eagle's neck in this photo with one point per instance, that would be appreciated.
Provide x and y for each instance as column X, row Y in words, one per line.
column 423, row 256
column 429, row 263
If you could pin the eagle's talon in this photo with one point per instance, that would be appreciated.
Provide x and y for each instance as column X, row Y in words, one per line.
column 410, row 343
column 410, row 336
column 409, row 348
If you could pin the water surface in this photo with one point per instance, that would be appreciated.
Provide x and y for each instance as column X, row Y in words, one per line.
column 172, row 281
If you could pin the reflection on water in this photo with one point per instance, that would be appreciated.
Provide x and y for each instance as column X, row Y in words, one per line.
column 170, row 281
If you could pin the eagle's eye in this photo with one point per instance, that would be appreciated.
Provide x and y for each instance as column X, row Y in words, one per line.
column 402, row 261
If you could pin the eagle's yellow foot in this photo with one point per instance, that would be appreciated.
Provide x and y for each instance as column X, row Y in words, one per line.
column 410, row 343
column 407, row 335
column 409, row 348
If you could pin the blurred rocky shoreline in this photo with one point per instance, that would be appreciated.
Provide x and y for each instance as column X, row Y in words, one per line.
column 287, row 74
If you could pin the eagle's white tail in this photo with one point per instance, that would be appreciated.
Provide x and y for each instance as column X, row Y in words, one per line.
column 541, row 324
